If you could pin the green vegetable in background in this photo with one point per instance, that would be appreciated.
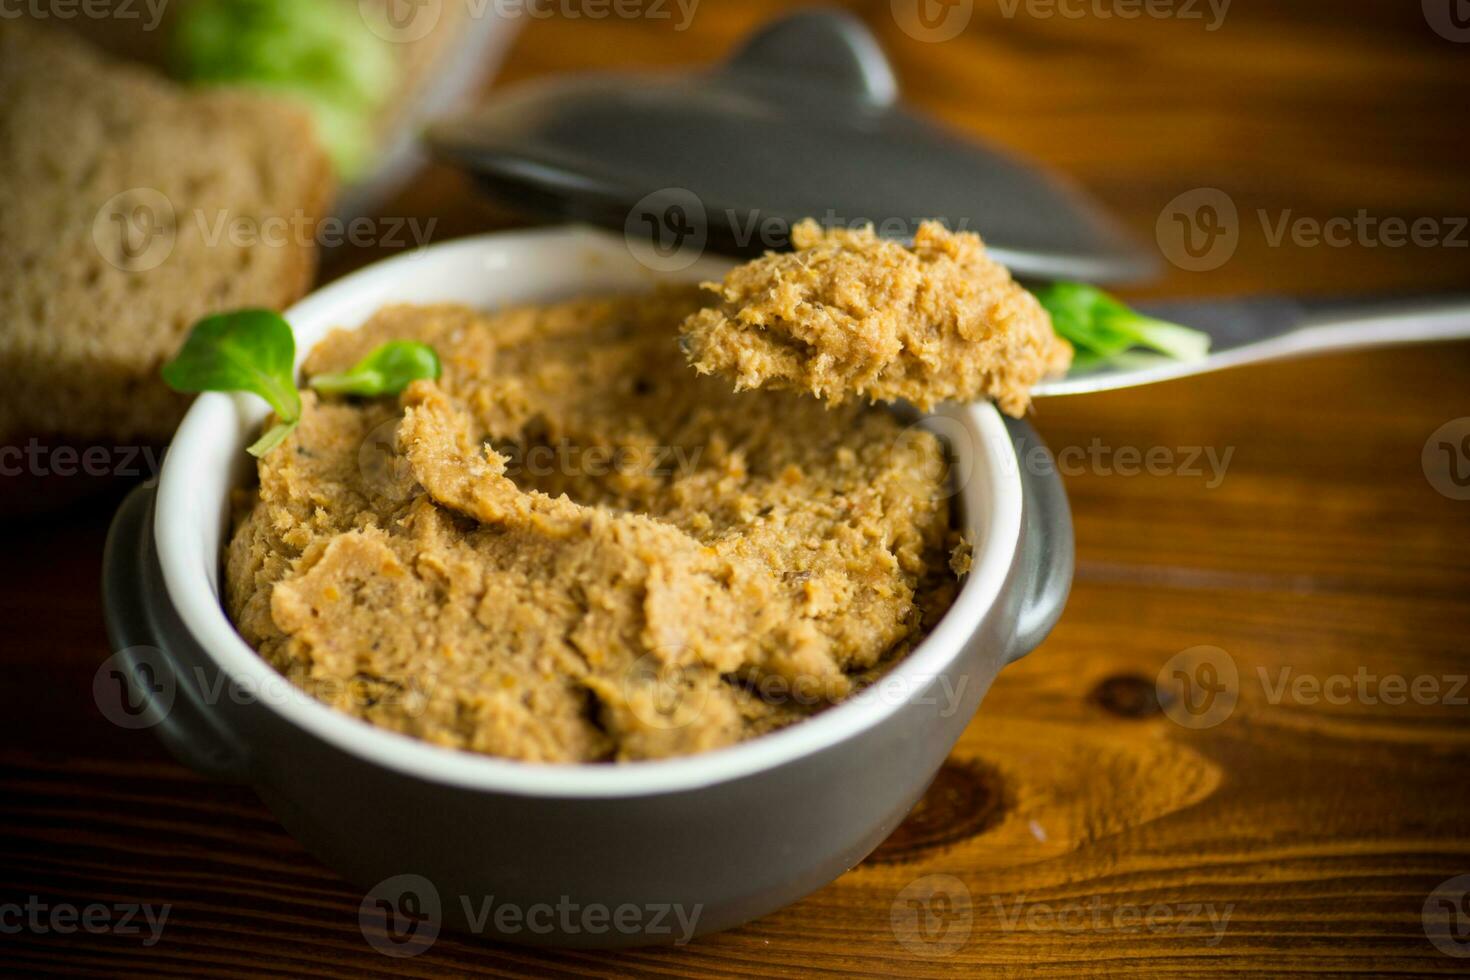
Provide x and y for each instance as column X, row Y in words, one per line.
column 255, row 351
column 1100, row 327
column 319, row 52
column 386, row 371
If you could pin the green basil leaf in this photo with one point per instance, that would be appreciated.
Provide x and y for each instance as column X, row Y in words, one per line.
column 1101, row 328
column 249, row 350
column 1079, row 313
column 386, row 371
column 273, row 437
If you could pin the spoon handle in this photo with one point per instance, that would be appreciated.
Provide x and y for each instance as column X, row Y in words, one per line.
column 1336, row 325
column 1250, row 331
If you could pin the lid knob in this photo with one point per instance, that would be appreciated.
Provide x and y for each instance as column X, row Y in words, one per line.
column 827, row 48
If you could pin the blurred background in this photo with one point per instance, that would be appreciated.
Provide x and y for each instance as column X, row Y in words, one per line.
column 1321, row 539
column 1303, row 108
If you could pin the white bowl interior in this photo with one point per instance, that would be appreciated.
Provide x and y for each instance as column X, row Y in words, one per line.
column 207, row 460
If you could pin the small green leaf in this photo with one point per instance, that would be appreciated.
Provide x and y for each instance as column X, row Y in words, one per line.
column 250, row 350
column 273, row 437
column 1101, row 328
column 386, row 371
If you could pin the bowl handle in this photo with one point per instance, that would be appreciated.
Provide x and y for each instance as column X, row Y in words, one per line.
column 142, row 625
column 1046, row 555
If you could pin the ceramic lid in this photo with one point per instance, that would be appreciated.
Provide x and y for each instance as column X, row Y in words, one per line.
column 804, row 121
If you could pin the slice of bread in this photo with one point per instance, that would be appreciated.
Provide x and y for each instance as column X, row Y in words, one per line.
column 132, row 207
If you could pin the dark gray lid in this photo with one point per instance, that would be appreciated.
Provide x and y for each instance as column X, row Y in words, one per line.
column 803, row 122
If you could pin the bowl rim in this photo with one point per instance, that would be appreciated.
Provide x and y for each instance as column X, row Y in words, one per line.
column 218, row 426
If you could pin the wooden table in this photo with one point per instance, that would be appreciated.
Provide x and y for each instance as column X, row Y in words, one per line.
column 1084, row 829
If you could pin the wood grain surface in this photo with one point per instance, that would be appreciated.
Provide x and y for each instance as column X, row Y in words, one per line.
column 1082, row 826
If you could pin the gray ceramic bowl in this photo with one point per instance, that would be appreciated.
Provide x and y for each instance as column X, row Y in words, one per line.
column 429, row 833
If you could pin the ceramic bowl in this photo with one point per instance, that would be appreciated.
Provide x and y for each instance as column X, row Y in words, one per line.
column 580, row 855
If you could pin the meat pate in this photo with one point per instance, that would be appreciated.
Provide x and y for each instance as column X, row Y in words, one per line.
column 573, row 548
column 851, row 315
